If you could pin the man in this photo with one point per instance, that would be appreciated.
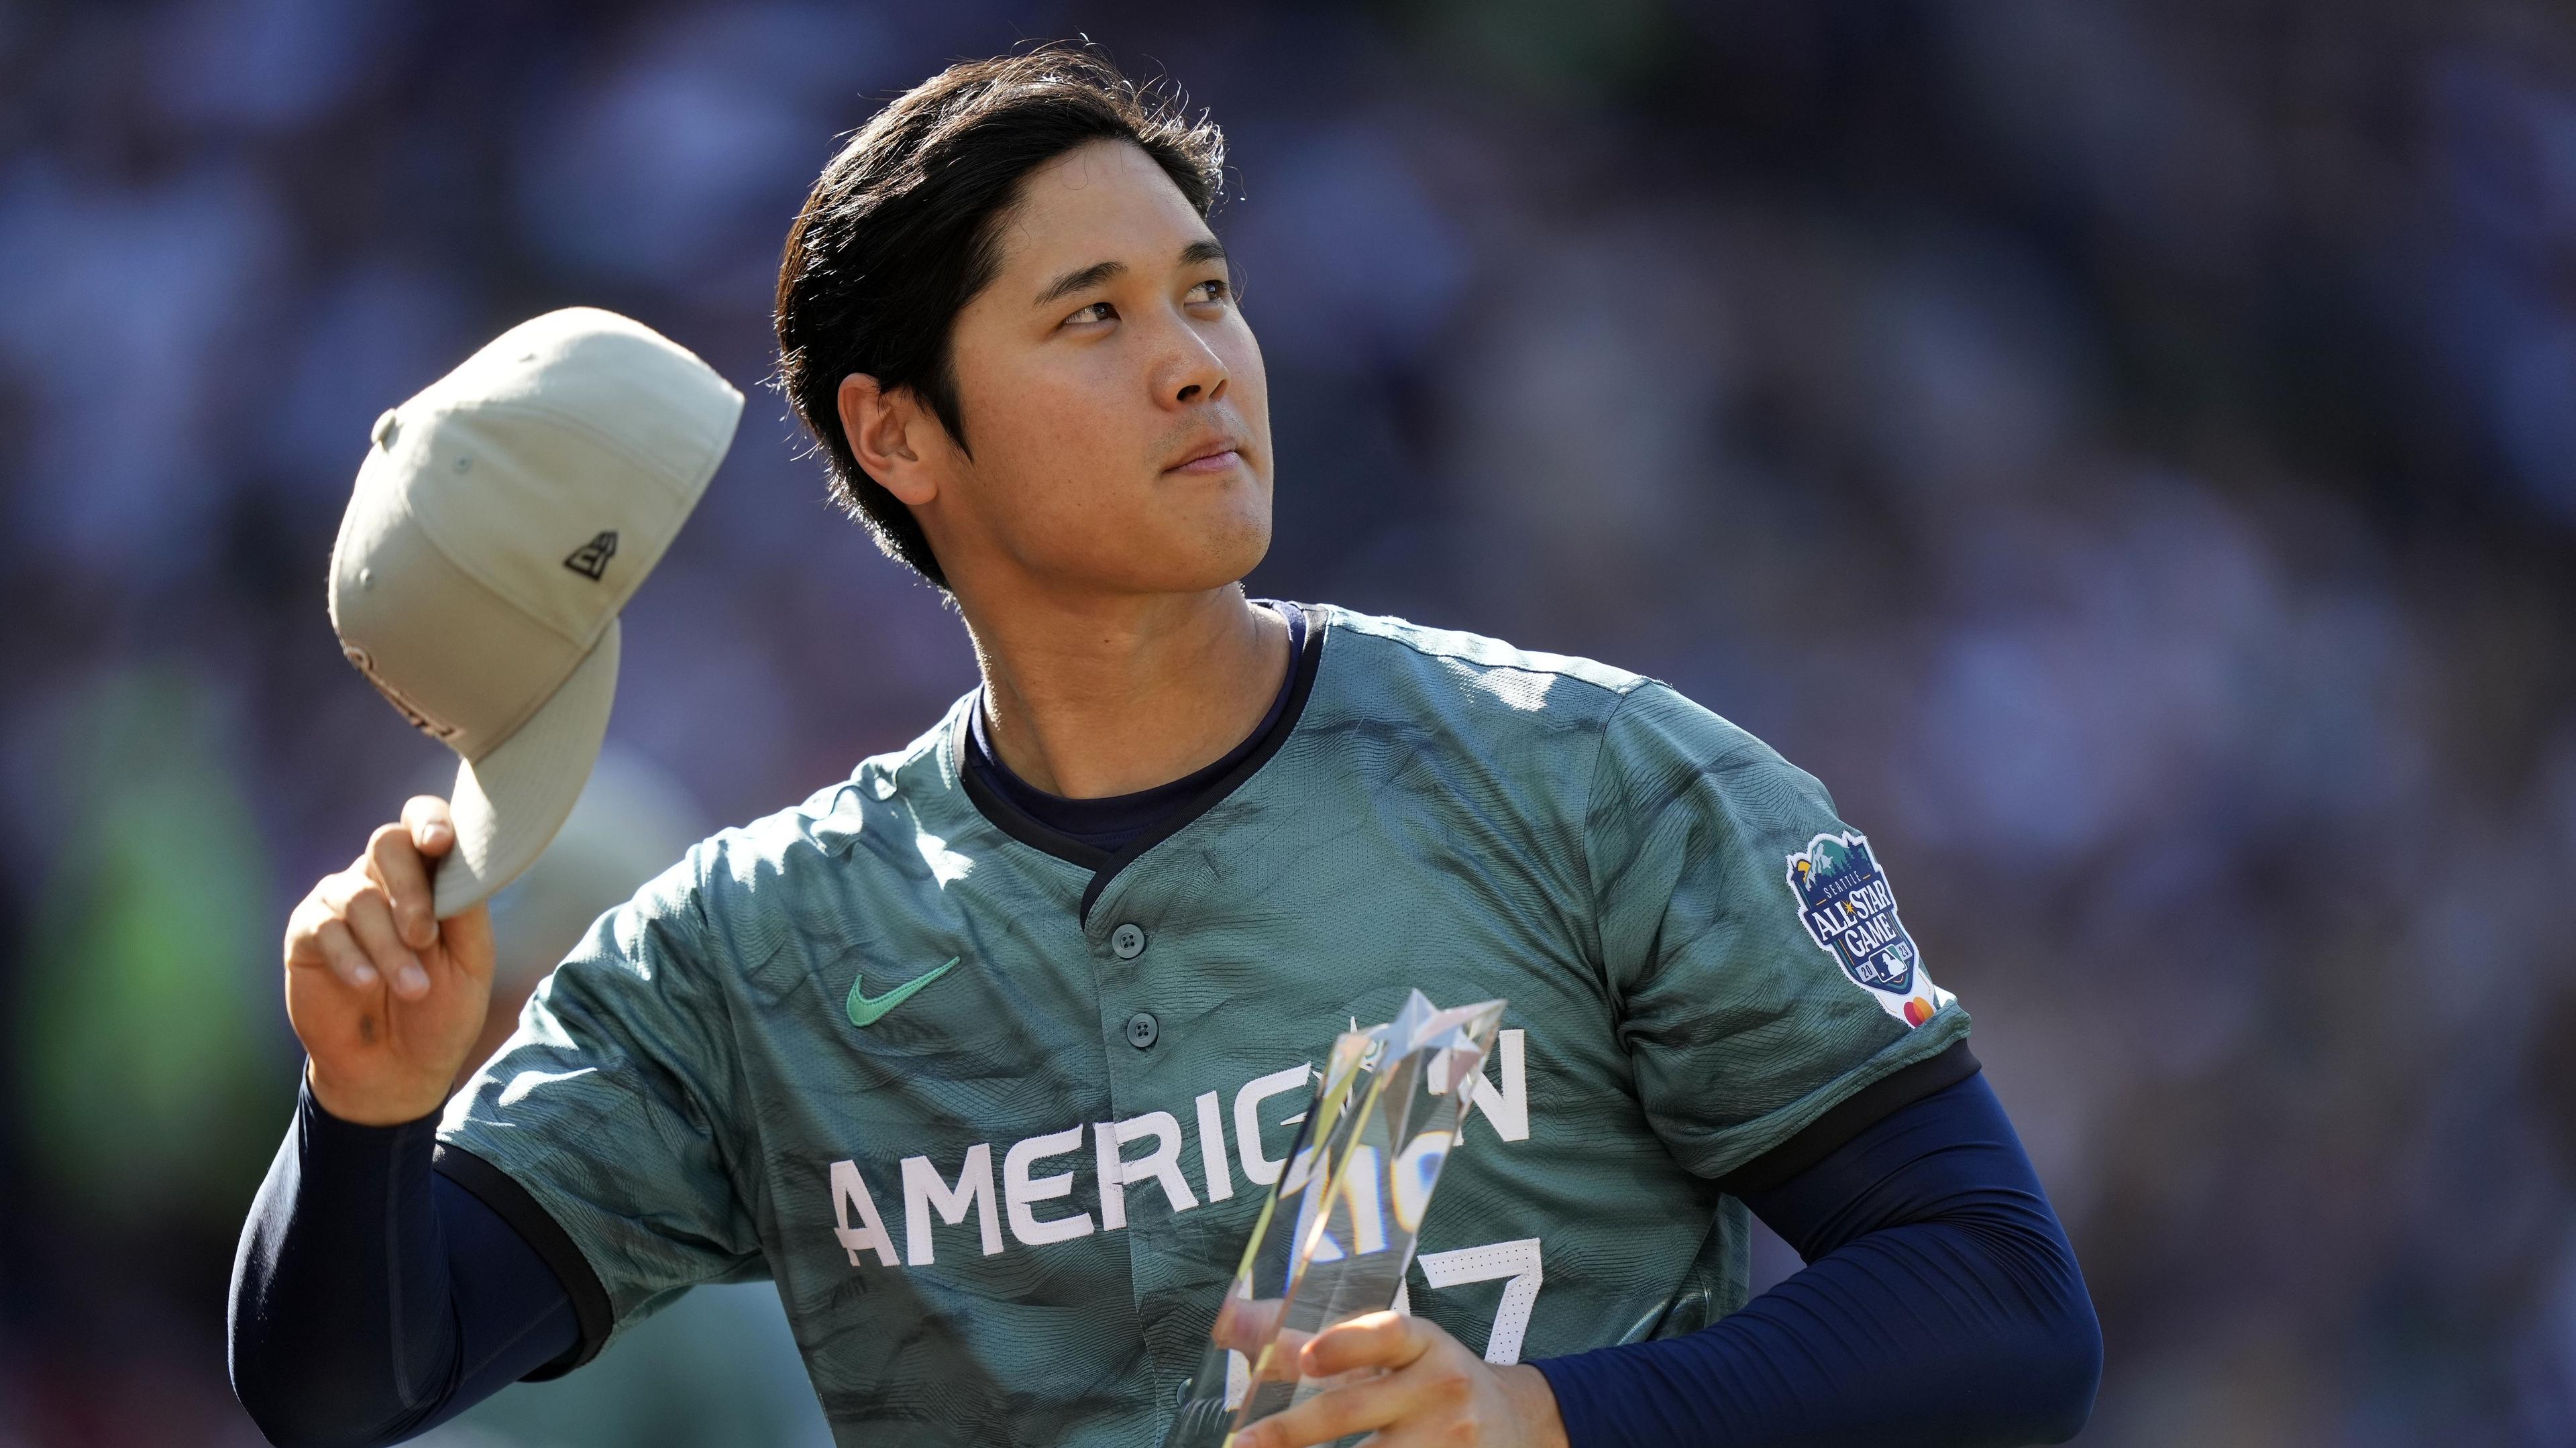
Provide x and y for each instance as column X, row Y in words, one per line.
column 985, row 1053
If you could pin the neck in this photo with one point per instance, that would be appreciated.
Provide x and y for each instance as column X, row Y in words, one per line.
column 1115, row 694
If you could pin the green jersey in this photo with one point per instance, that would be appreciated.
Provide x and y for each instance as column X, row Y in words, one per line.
column 996, row 1110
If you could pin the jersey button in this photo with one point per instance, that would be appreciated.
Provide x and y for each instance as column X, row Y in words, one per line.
column 1129, row 942
column 1143, row 1030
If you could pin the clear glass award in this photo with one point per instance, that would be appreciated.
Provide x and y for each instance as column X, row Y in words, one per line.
column 1337, row 1232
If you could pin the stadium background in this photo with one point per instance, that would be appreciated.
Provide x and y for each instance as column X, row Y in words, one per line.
column 2128, row 450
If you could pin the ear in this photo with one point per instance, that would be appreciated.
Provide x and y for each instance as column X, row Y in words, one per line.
column 881, row 427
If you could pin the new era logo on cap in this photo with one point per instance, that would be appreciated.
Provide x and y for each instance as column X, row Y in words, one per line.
column 449, row 586
column 590, row 560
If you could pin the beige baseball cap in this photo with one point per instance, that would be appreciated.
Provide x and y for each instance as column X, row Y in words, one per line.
column 501, row 520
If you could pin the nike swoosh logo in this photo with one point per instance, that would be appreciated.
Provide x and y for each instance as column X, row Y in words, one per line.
column 865, row 1012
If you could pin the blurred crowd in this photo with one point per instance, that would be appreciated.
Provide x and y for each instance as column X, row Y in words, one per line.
column 2127, row 450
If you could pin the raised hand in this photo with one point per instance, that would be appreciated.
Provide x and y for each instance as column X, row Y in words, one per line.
column 387, row 998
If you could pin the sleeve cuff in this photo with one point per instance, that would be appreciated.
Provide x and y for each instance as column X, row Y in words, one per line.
column 1850, row 1117
column 513, row 1204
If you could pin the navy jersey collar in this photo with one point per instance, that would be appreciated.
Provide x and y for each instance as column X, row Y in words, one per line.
column 1132, row 823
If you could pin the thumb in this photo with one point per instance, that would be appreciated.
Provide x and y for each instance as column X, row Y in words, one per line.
column 432, row 827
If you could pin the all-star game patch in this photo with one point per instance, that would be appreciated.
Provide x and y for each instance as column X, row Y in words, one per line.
column 1850, row 912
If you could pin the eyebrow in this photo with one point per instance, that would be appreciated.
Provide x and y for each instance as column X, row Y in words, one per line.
column 1204, row 249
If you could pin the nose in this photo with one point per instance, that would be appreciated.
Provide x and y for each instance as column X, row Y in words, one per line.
column 1188, row 369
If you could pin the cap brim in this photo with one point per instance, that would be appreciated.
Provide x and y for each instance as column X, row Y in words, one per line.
column 509, row 804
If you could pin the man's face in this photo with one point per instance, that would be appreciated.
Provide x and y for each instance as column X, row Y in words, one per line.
column 1112, row 394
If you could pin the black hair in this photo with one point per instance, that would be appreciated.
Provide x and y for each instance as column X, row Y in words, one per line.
column 901, row 229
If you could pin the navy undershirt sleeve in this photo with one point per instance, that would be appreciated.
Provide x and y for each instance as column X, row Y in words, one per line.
column 1940, row 1305
column 373, row 1298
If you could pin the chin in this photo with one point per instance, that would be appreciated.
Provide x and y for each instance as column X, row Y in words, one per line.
column 1211, row 556
column 1218, row 567
column 1166, row 541
column 1235, row 551
column 1194, row 543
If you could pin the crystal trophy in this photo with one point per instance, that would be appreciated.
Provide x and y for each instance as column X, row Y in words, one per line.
column 1335, row 1236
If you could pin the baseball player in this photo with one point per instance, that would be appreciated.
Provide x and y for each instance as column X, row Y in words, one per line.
column 986, row 1054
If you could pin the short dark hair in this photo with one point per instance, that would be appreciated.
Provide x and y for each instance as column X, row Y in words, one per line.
column 901, row 231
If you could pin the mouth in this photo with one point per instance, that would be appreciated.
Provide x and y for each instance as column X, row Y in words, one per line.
column 1212, row 455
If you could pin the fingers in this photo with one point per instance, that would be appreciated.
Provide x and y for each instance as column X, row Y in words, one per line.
column 1381, row 1340
column 394, row 859
column 1244, row 1323
column 1377, row 1340
column 1352, row 1408
column 375, row 920
column 331, row 940
column 433, row 829
column 368, row 915
column 1424, row 1391
column 318, row 934
column 468, row 937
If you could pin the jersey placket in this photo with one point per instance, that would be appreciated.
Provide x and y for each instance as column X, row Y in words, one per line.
column 1165, row 1165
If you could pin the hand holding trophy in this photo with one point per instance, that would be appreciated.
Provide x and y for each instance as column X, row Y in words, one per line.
column 1334, row 1239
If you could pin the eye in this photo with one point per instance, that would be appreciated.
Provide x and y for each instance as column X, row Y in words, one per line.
column 1214, row 289
column 1096, row 312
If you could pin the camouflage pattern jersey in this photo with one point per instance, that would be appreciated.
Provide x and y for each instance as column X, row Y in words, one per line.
column 995, row 1110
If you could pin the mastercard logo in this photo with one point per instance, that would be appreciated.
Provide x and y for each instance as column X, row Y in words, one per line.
column 1917, row 1011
